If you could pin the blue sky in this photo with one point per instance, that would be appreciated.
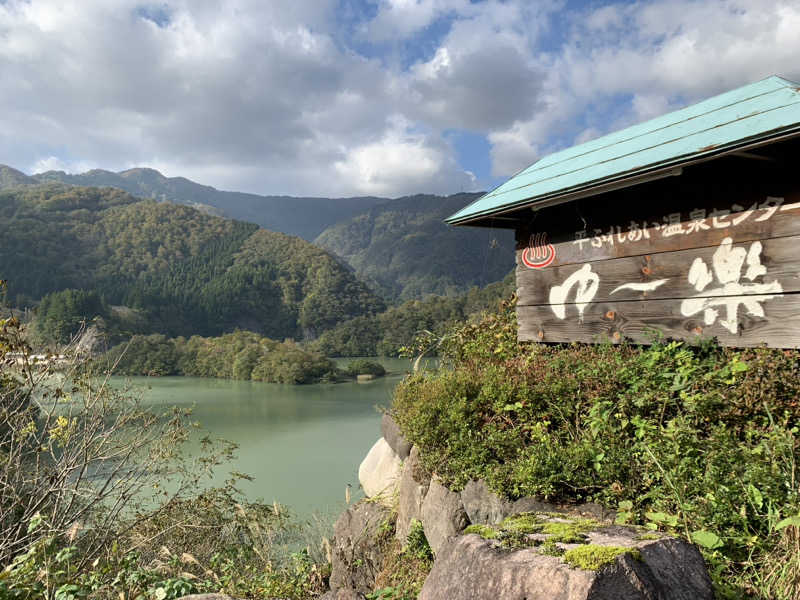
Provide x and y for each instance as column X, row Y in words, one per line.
column 357, row 97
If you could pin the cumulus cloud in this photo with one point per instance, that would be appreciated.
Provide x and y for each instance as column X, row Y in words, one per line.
column 54, row 163
column 625, row 63
column 402, row 18
column 245, row 95
column 288, row 96
column 405, row 162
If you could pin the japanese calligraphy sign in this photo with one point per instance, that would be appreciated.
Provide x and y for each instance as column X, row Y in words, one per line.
column 730, row 272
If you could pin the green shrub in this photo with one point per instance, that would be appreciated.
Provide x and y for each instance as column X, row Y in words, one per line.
column 416, row 542
column 700, row 441
column 99, row 500
column 363, row 366
column 238, row 355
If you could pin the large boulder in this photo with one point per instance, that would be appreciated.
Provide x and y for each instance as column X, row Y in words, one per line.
column 414, row 483
column 379, row 472
column 443, row 515
column 391, row 433
column 473, row 568
column 484, row 507
column 360, row 537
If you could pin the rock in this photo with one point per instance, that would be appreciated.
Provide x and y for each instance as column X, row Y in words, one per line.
column 482, row 505
column 342, row 594
column 472, row 568
column 443, row 515
column 531, row 504
column 596, row 511
column 359, row 540
column 391, row 433
column 89, row 341
column 364, row 377
column 379, row 472
column 414, row 482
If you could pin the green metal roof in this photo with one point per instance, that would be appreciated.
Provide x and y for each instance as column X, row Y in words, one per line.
column 731, row 121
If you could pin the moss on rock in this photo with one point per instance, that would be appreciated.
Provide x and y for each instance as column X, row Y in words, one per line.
column 591, row 557
column 565, row 530
column 485, row 531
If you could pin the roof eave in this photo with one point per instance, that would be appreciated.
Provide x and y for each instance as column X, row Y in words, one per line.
column 631, row 178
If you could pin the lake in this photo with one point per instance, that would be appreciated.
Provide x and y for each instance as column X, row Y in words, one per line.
column 302, row 443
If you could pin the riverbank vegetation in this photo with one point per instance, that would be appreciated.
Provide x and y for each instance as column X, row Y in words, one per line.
column 386, row 333
column 239, row 355
column 700, row 441
column 98, row 500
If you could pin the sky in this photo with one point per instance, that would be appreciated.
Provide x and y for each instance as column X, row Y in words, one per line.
column 361, row 97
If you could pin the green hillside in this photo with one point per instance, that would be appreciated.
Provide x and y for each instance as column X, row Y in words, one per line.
column 303, row 217
column 401, row 326
column 403, row 249
column 186, row 271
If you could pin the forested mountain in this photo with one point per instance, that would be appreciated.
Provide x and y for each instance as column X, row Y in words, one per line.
column 386, row 333
column 303, row 217
column 188, row 272
column 11, row 177
column 404, row 249
column 400, row 247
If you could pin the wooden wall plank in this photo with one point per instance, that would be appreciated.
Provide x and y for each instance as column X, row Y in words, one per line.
column 778, row 327
column 620, row 241
column 665, row 275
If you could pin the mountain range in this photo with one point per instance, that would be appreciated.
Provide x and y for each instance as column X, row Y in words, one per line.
column 187, row 272
column 303, row 217
column 400, row 247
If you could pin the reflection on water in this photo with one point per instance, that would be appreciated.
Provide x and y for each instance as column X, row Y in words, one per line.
column 303, row 444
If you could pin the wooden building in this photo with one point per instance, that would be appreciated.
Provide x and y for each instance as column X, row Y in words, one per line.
column 687, row 225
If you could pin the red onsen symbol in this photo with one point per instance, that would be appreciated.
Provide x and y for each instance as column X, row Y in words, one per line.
column 539, row 253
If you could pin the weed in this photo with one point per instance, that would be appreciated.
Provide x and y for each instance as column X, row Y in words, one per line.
column 550, row 548
column 515, row 540
column 416, row 542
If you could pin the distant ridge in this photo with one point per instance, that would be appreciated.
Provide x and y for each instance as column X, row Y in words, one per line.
column 401, row 247
column 10, row 177
column 404, row 249
column 305, row 217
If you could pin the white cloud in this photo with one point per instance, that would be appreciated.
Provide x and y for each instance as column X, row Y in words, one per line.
column 652, row 57
column 53, row 163
column 405, row 162
column 274, row 97
column 402, row 18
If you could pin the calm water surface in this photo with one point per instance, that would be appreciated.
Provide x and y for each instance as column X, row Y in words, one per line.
column 302, row 443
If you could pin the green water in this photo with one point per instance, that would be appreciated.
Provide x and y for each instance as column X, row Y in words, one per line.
column 301, row 443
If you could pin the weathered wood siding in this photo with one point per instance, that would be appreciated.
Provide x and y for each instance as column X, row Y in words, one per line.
column 718, row 262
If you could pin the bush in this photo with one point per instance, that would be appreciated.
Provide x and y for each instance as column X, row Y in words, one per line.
column 365, row 367
column 98, row 501
column 701, row 441
column 239, row 355
column 145, row 355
